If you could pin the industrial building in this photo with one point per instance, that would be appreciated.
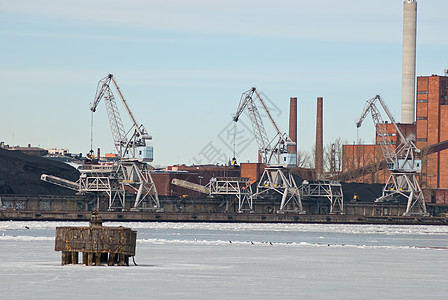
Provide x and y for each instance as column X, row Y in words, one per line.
column 424, row 122
column 430, row 133
column 432, row 127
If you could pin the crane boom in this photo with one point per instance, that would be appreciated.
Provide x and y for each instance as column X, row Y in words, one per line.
column 385, row 140
column 401, row 158
column 267, row 112
column 103, row 86
column 254, row 115
column 370, row 104
column 140, row 128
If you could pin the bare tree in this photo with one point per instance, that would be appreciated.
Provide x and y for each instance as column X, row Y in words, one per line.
column 304, row 159
column 333, row 156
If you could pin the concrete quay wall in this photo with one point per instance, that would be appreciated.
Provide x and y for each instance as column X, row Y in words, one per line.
column 7, row 215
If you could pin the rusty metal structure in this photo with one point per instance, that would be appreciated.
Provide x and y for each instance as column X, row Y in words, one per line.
column 99, row 245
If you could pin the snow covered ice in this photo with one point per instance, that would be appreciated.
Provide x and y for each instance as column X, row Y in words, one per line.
column 235, row 261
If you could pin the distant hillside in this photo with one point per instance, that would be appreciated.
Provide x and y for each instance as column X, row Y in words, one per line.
column 20, row 174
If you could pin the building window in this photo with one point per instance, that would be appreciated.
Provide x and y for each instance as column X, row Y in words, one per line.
column 422, row 140
column 422, row 101
column 444, row 100
column 422, row 118
column 422, row 92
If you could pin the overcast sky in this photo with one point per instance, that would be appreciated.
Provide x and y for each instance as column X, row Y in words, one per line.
column 183, row 65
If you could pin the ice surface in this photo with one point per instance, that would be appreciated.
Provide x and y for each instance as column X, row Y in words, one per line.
column 235, row 261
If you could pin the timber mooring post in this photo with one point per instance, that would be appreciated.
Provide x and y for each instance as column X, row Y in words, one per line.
column 99, row 245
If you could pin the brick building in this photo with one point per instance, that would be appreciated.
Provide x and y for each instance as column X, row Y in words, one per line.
column 432, row 127
column 362, row 156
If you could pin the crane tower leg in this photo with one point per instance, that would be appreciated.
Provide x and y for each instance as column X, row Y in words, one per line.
column 405, row 185
column 279, row 180
column 137, row 179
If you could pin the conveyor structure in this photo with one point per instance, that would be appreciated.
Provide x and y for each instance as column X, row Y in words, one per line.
column 331, row 190
column 224, row 186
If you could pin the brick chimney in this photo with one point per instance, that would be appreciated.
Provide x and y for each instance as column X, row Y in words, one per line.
column 319, row 157
column 293, row 124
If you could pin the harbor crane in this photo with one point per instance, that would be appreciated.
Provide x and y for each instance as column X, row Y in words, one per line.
column 403, row 161
column 126, row 147
column 130, row 174
column 131, row 169
column 274, row 153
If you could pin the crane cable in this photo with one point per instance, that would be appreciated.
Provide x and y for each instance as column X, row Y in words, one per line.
column 91, row 132
column 357, row 135
column 234, row 139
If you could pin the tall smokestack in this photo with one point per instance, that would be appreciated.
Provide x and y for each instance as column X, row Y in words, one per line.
column 319, row 156
column 293, row 124
column 408, row 70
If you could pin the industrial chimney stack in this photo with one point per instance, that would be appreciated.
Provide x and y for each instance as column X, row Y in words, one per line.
column 319, row 155
column 293, row 124
column 409, row 57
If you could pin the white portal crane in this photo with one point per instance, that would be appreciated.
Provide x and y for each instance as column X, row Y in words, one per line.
column 402, row 161
column 132, row 171
column 274, row 154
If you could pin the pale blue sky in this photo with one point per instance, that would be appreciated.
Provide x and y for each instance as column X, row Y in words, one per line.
column 182, row 66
